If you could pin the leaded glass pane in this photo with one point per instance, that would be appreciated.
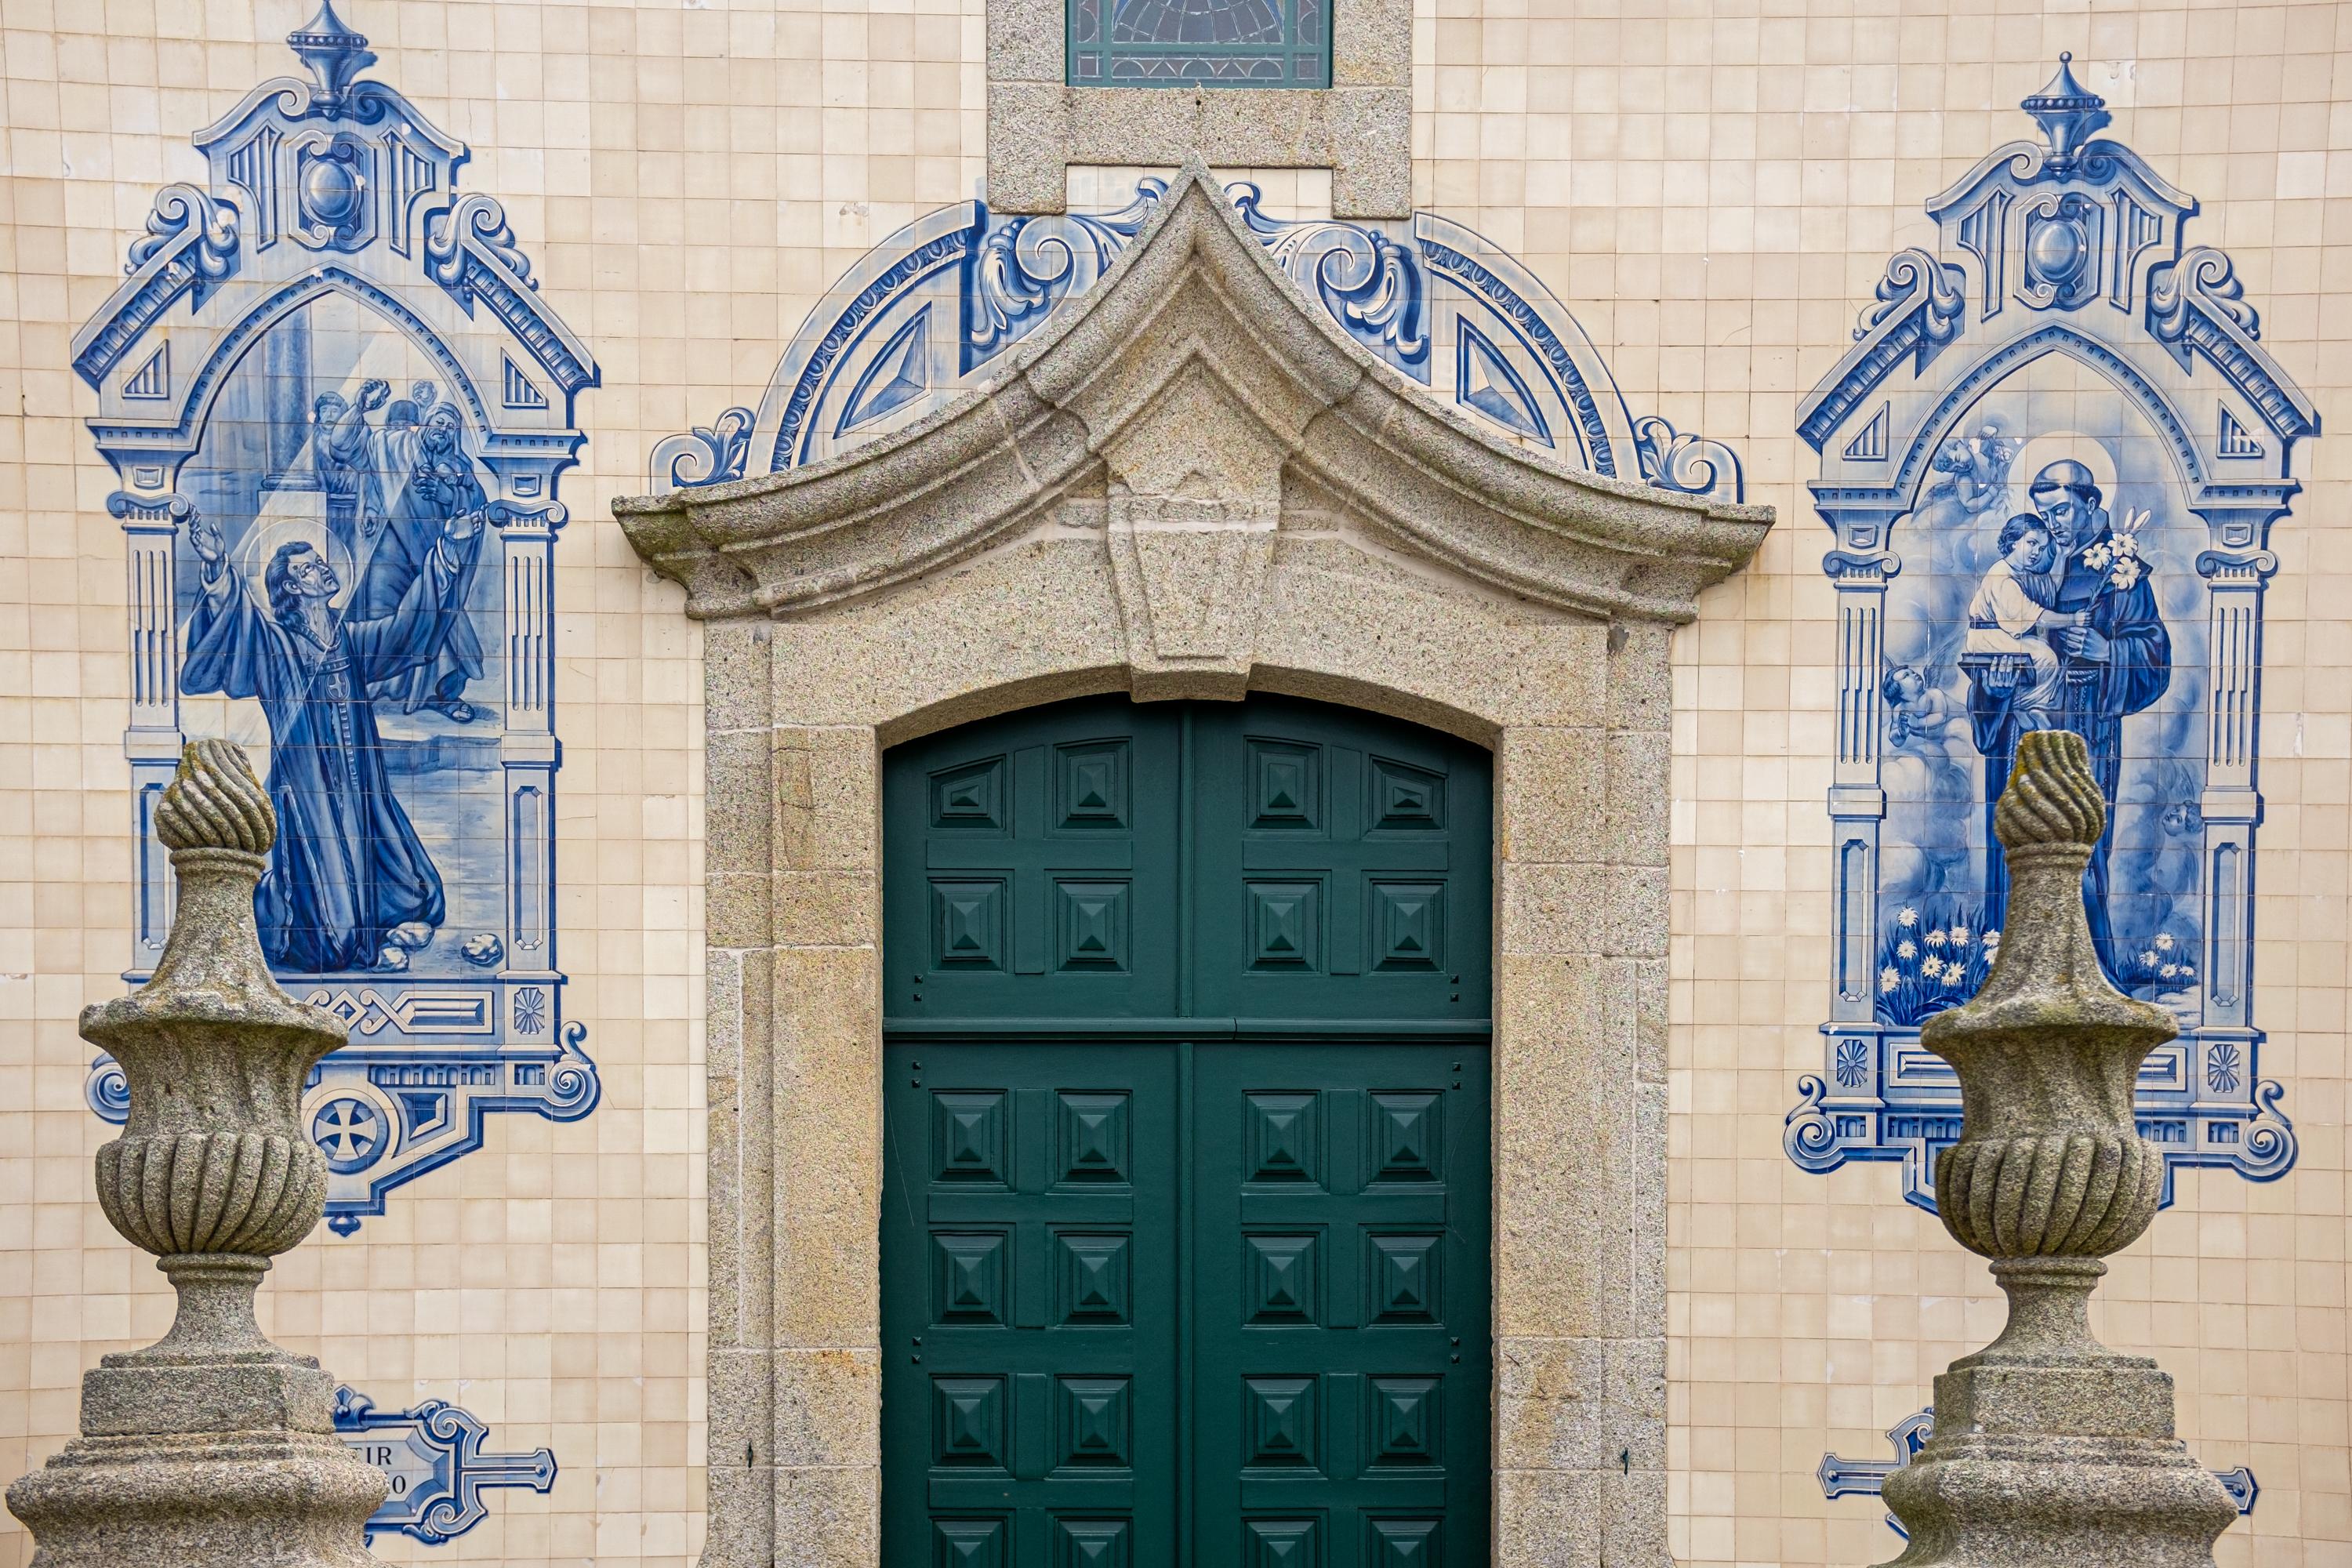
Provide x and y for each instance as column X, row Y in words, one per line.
column 1209, row 43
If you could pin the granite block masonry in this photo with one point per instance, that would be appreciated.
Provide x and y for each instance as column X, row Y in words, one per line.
column 1212, row 489
column 2051, row 1450
column 213, row 1445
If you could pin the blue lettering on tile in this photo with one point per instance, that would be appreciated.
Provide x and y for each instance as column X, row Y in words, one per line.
column 433, row 1467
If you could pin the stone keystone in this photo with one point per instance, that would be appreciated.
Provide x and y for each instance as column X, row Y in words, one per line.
column 213, row 1445
column 2051, row 1450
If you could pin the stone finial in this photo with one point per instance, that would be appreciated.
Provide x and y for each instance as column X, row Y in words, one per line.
column 2051, row 1160
column 213, row 802
column 2050, row 1449
column 2052, row 800
column 232, row 1438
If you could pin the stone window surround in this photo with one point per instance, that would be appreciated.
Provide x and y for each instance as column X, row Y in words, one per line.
column 1215, row 492
column 1361, row 127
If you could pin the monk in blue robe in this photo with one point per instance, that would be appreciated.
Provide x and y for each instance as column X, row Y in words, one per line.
column 2115, row 661
column 350, row 885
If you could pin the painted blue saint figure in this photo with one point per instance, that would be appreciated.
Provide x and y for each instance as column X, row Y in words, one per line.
column 2114, row 660
column 437, row 484
column 341, row 456
column 349, row 884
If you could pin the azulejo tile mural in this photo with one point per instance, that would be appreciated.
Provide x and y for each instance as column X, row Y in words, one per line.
column 932, row 311
column 338, row 411
column 2051, row 460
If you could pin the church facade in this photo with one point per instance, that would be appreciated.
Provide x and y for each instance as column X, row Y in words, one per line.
column 1181, row 784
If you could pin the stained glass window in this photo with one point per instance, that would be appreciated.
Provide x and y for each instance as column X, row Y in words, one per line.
column 1200, row 43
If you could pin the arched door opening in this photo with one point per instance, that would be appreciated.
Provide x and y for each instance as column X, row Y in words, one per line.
column 1185, row 1216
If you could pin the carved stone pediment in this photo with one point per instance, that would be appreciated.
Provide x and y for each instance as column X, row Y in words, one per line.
column 1195, row 481
column 1180, row 396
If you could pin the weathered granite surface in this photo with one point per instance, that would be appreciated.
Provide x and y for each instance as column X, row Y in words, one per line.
column 1191, row 485
column 213, row 1445
column 2051, row 1450
column 1361, row 127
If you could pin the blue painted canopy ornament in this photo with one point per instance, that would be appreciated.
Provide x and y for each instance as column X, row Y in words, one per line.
column 1427, row 298
column 2069, row 114
column 332, row 53
column 710, row 454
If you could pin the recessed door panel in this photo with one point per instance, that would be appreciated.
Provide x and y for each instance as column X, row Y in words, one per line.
column 1031, row 863
column 1029, row 1324
column 1341, row 1350
column 1341, row 866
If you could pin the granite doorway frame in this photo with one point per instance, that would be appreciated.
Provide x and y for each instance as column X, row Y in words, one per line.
column 1193, row 487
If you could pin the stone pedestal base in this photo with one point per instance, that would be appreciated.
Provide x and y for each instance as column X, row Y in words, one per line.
column 2112, row 1489
column 253, row 1477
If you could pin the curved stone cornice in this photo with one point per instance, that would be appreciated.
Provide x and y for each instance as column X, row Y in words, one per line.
column 1195, row 336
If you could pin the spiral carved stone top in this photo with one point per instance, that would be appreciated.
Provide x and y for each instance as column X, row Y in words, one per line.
column 2050, row 1448
column 213, row 1445
column 2047, row 1048
column 213, row 802
column 2052, row 796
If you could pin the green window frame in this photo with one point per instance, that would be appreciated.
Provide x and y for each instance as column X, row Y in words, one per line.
column 1200, row 43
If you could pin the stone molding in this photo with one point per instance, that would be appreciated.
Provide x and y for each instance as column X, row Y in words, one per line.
column 1195, row 303
column 1191, row 488
column 1361, row 127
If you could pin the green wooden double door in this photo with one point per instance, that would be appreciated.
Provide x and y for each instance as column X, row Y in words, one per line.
column 1185, row 1207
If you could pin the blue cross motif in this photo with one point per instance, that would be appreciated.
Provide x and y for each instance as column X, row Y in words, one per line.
column 350, row 1133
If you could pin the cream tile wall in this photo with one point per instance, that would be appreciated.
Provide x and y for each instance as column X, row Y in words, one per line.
column 1713, row 188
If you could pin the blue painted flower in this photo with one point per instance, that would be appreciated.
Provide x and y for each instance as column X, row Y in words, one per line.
column 529, row 1011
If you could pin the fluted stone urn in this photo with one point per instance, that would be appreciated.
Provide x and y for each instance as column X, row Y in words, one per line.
column 2049, row 1448
column 212, row 1446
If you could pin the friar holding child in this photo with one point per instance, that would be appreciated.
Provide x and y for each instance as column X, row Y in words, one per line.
column 2081, row 647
